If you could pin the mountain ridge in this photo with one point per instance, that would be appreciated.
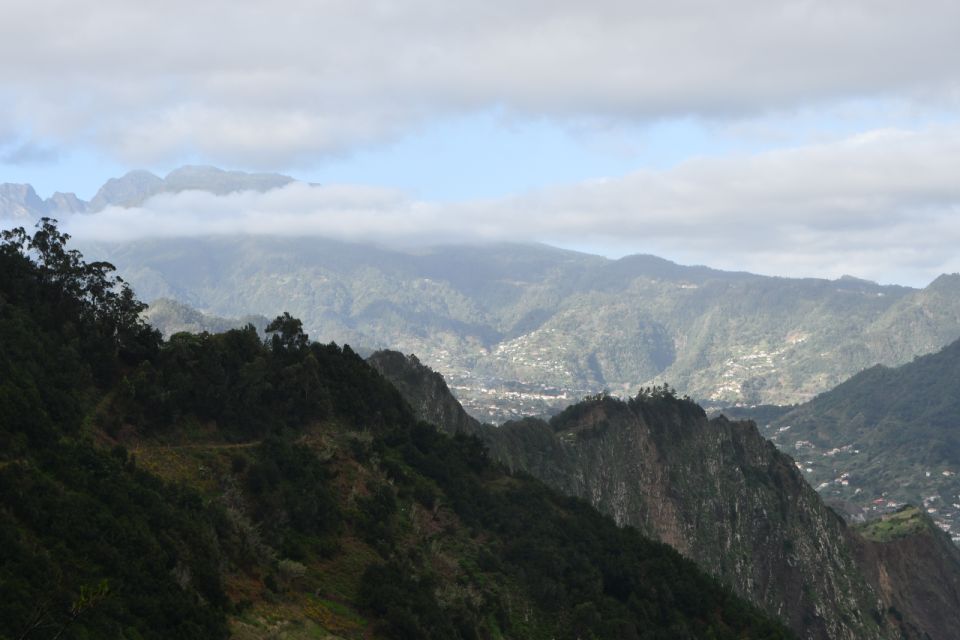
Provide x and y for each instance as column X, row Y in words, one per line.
column 21, row 202
column 722, row 495
column 519, row 330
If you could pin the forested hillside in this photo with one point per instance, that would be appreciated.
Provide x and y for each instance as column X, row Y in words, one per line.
column 217, row 485
column 886, row 437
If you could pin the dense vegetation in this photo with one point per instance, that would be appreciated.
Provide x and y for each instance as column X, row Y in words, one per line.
column 219, row 484
column 89, row 545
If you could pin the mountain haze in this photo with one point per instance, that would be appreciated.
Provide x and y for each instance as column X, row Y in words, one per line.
column 173, row 317
column 520, row 329
column 526, row 329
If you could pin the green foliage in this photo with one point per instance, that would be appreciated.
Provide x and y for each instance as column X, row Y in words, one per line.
column 376, row 515
column 292, row 497
column 657, row 405
column 903, row 522
column 42, row 275
column 287, row 336
column 403, row 596
column 65, row 325
column 892, row 430
column 91, row 547
column 94, row 546
column 250, row 390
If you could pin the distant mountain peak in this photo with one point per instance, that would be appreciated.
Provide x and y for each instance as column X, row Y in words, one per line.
column 130, row 189
column 20, row 201
column 220, row 181
column 848, row 278
column 946, row 282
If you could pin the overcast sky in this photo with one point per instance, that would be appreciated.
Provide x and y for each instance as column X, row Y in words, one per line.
column 794, row 138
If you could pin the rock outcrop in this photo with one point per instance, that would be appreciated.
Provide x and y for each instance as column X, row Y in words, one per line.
column 725, row 497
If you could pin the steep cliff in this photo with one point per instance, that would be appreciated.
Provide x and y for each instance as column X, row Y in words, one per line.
column 720, row 494
column 426, row 391
column 916, row 569
column 725, row 497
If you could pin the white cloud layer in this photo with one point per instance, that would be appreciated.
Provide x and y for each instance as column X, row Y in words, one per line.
column 883, row 205
column 244, row 82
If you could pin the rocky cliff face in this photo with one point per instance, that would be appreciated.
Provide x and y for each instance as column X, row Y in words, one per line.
column 721, row 494
column 916, row 569
column 426, row 391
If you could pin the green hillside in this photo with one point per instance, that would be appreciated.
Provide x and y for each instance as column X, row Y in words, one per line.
column 216, row 485
column 885, row 437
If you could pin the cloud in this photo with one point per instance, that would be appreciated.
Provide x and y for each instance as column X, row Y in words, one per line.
column 242, row 82
column 29, row 152
column 883, row 205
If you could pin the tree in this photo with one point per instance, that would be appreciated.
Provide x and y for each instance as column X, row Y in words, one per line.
column 286, row 334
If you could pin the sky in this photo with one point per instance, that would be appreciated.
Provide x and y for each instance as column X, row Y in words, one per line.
column 801, row 138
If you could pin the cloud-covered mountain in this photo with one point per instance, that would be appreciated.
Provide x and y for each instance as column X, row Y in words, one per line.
column 878, row 206
column 21, row 202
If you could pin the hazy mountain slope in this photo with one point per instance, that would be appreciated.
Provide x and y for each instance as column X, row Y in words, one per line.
column 917, row 324
column 725, row 497
column 520, row 329
column 502, row 320
column 130, row 189
column 170, row 317
column 885, row 437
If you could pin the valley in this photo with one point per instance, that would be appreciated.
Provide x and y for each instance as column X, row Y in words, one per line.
column 569, row 354
column 261, row 486
column 885, row 437
column 480, row 320
column 229, row 411
column 838, row 474
column 501, row 321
